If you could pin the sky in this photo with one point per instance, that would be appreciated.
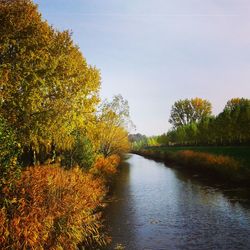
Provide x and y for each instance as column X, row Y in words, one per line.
column 155, row 52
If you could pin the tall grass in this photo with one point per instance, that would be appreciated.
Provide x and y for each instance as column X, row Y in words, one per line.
column 223, row 166
column 239, row 153
column 52, row 208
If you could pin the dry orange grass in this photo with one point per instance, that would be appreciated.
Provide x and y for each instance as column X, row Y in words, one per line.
column 224, row 166
column 205, row 159
column 105, row 166
column 52, row 208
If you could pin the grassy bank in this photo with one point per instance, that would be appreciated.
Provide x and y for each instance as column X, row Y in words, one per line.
column 239, row 153
column 226, row 163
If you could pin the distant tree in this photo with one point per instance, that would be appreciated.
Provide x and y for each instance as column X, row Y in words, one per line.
column 109, row 131
column 177, row 135
column 186, row 111
column 153, row 141
column 138, row 141
column 163, row 139
column 136, row 137
column 194, row 126
column 223, row 128
column 237, row 111
column 236, row 103
column 206, row 131
column 191, row 132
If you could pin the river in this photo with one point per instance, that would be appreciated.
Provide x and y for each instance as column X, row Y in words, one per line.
column 155, row 207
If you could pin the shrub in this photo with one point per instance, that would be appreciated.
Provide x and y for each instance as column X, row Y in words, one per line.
column 9, row 153
column 224, row 166
column 105, row 166
column 81, row 154
column 52, row 208
column 219, row 162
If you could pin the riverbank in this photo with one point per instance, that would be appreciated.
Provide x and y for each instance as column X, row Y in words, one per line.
column 222, row 167
column 50, row 207
column 158, row 207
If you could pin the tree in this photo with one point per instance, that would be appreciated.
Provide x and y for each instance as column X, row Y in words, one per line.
column 237, row 111
column 81, row 153
column 152, row 141
column 191, row 132
column 236, row 103
column 231, row 126
column 206, row 131
column 109, row 132
column 186, row 111
column 163, row 139
column 136, row 137
column 138, row 141
column 47, row 88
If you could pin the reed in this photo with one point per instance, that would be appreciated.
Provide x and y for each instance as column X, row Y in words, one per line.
column 225, row 167
column 52, row 208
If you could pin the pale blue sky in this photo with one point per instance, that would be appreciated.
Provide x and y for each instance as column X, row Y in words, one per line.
column 154, row 52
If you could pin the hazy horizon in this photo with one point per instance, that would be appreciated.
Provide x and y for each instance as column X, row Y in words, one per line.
column 154, row 53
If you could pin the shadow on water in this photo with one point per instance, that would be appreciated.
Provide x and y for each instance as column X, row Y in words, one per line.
column 231, row 191
column 119, row 213
column 233, row 194
column 156, row 207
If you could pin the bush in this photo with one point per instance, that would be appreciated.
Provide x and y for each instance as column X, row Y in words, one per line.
column 52, row 208
column 105, row 166
column 9, row 153
column 223, row 166
column 81, row 154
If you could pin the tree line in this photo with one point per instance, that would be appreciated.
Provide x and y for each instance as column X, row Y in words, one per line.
column 194, row 124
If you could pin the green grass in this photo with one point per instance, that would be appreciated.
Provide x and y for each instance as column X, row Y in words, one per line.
column 239, row 153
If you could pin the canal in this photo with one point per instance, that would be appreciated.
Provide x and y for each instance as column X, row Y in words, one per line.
column 155, row 207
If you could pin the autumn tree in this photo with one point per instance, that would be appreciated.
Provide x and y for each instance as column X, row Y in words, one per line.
column 229, row 127
column 47, row 88
column 236, row 103
column 186, row 111
column 110, row 129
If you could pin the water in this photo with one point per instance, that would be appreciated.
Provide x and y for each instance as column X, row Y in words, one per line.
column 156, row 207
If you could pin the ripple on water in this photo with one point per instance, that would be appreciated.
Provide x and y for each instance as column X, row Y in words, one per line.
column 161, row 208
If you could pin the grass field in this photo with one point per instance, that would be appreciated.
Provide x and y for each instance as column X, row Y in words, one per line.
column 239, row 153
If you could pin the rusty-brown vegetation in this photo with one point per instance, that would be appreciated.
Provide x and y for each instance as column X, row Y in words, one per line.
column 53, row 208
column 221, row 166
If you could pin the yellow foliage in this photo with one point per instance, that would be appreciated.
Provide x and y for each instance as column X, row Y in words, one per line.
column 109, row 139
column 48, row 90
column 52, row 208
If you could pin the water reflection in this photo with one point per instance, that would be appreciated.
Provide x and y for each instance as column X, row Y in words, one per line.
column 157, row 208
